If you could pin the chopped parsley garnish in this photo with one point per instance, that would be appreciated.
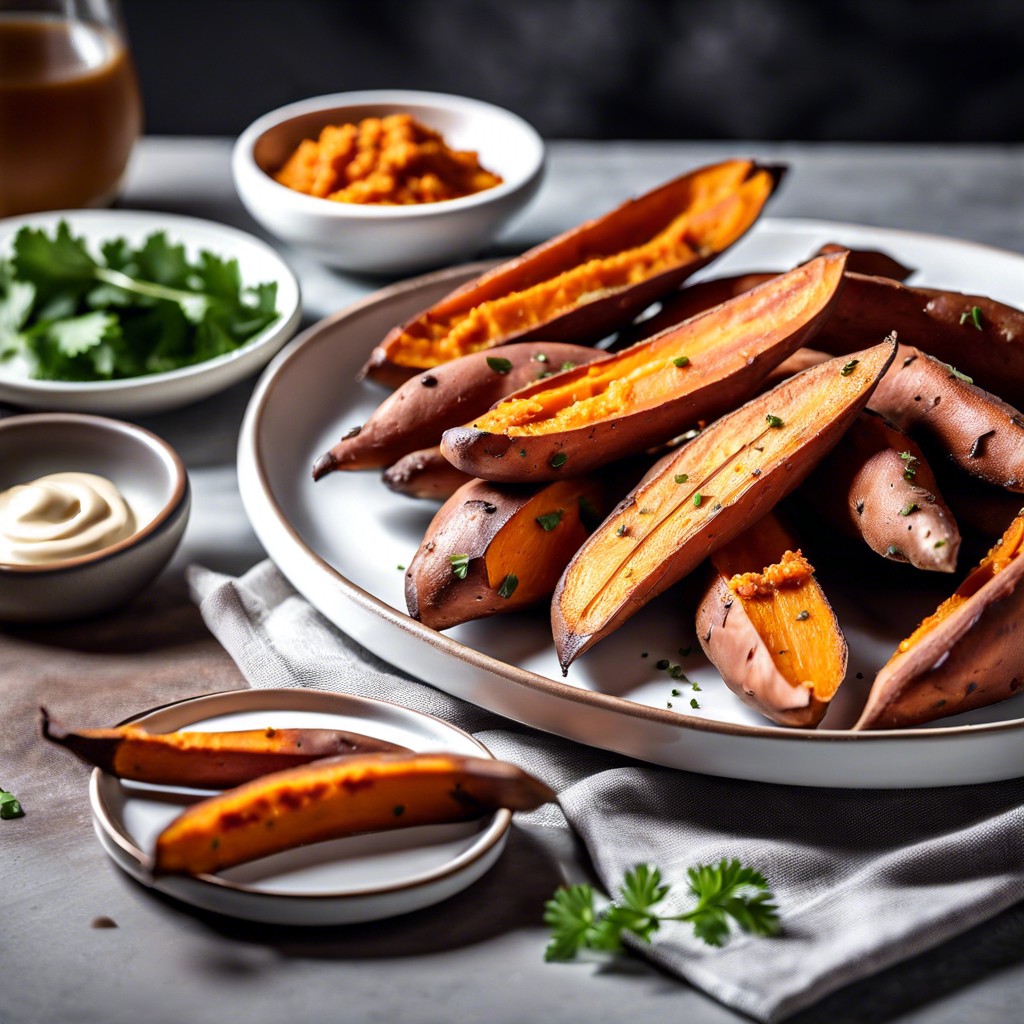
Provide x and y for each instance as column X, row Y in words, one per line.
column 773, row 421
column 697, row 499
column 940, row 543
column 681, row 478
column 508, row 586
column 681, row 361
column 460, row 565
column 677, row 693
column 849, row 367
column 567, row 365
column 910, row 465
column 724, row 892
column 550, row 520
column 540, row 357
column 695, row 704
column 10, row 807
column 499, row 364
column 954, row 372
column 911, row 506
column 400, row 568
column 973, row 316
column 621, row 530
column 558, row 460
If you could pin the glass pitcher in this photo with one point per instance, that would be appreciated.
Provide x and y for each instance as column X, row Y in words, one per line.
column 69, row 104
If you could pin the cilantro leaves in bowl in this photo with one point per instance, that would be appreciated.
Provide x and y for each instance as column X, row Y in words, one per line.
column 125, row 312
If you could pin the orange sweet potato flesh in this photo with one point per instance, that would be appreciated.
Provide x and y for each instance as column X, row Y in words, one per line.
column 336, row 798
column 702, row 496
column 651, row 391
column 878, row 485
column 493, row 549
column 976, row 431
column 206, row 760
column 420, row 411
column 590, row 280
column 425, row 474
column 765, row 624
column 968, row 654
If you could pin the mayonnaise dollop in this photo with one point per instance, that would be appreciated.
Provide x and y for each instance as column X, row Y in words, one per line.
column 63, row 515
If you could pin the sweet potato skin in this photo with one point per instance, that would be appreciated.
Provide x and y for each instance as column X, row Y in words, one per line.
column 879, row 486
column 729, row 349
column 978, row 432
column 620, row 569
column 486, row 524
column 418, row 413
column 628, row 225
column 336, row 798
column 974, row 657
column 425, row 474
column 206, row 760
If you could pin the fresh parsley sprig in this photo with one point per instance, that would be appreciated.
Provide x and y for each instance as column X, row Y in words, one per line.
column 726, row 892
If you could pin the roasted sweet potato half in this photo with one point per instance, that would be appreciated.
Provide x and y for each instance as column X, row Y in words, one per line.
column 206, row 760
column 968, row 654
column 336, row 798
column 590, row 280
column 935, row 402
column 648, row 393
column 424, row 407
column 877, row 485
column 869, row 261
column 765, row 624
column 493, row 549
column 425, row 474
column 708, row 492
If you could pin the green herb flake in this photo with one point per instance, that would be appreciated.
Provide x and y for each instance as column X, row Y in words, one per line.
column 911, row 506
column 677, row 693
column 681, row 478
column 499, row 364
column 972, row 316
column 910, row 465
column 773, row 421
column 697, row 499
column 540, row 357
column 694, row 686
column 508, row 586
column 849, row 368
column 550, row 520
column 460, row 565
column 681, row 361
column 567, row 365
column 558, row 460
column 10, row 806
column 676, row 672
column 621, row 530
column 400, row 568
column 803, row 616
column 695, row 704
column 940, row 544
column 954, row 372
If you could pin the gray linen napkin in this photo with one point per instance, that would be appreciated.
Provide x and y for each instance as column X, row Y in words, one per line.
column 863, row 879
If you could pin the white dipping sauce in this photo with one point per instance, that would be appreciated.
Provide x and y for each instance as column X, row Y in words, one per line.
column 60, row 516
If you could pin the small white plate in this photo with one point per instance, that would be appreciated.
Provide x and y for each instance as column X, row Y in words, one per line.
column 158, row 392
column 344, row 881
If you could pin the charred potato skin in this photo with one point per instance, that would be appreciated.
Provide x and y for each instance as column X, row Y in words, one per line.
column 424, row 406
column 628, row 225
column 974, row 658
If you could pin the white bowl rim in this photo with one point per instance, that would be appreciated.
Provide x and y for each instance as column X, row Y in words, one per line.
column 288, row 318
column 180, row 489
column 242, row 155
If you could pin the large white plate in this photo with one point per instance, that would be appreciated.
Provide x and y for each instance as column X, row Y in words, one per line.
column 361, row 878
column 158, row 392
column 341, row 541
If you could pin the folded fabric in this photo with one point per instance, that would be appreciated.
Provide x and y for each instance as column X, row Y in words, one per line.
column 863, row 879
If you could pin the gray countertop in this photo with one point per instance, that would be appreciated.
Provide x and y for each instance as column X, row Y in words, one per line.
column 479, row 956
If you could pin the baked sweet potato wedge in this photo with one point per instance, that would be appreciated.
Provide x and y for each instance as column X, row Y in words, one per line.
column 493, row 549
column 590, row 280
column 650, row 392
column 336, row 798
column 877, row 485
column 764, row 622
column 425, row 474
column 968, row 654
column 206, row 760
column 708, row 492
column 869, row 261
column 978, row 432
column 424, row 407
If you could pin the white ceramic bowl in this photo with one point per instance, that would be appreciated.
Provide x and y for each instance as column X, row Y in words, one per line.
column 389, row 239
column 148, row 473
column 158, row 392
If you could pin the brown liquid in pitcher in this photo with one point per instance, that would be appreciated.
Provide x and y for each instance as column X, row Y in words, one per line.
column 69, row 113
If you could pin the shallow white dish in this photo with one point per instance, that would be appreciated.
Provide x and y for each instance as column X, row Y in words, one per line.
column 340, row 541
column 158, row 392
column 345, row 881
column 389, row 239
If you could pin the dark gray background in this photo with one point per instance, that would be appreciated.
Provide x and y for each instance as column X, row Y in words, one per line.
column 848, row 70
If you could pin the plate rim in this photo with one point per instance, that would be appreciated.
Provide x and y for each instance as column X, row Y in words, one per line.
column 282, row 328
column 104, row 819
column 512, row 673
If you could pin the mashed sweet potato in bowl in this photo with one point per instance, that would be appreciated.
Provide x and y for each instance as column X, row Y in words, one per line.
column 418, row 180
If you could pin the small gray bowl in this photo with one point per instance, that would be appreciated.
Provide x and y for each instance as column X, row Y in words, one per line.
column 145, row 469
